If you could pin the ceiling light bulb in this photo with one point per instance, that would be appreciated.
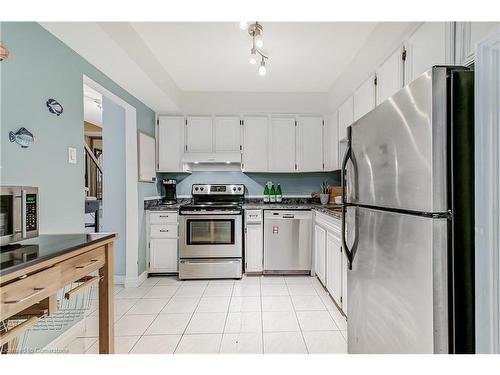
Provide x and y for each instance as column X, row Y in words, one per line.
column 253, row 57
column 243, row 25
column 259, row 41
column 262, row 68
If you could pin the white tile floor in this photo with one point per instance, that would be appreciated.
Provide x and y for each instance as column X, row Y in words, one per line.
column 259, row 314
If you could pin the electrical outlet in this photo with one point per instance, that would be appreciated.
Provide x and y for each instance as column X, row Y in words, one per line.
column 71, row 155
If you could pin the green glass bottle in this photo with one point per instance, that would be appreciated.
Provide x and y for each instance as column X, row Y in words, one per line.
column 266, row 194
column 279, row 195
column 272, row 195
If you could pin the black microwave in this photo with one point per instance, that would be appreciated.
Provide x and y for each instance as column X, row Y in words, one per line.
column 18, row 213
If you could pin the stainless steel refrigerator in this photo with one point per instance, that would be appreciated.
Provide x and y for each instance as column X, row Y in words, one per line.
column 408, row 228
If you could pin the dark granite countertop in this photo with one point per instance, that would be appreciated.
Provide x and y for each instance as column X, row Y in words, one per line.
column 333, row 210
column 29, row 252
column 157, row 205
column 258, row 204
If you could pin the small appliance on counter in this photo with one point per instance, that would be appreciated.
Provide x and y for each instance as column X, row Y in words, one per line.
column 18, row 213
column 170, row 191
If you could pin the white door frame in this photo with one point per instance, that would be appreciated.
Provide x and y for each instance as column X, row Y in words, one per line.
column 131, row 192
column 487, row 193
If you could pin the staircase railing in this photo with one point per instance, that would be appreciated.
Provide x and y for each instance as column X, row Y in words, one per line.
column 93, row 174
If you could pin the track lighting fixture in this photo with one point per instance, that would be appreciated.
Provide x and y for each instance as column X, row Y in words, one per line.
column 256, row 31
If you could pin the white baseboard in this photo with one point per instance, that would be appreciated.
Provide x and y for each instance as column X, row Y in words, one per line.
column 135, row 281
column 119, row 279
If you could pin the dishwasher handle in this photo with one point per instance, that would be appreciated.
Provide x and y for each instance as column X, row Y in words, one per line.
column 288, row 216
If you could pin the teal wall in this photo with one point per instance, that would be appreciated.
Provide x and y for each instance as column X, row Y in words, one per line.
column 114, row 215
column 40, row 66
column 292, row 184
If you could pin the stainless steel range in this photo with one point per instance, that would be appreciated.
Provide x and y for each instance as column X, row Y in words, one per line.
column 211, row 233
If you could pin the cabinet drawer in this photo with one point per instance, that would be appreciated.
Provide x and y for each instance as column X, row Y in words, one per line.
column 82, row 265
column 253, row 216
column 163, row 231
column 330, row 223
column 24, row 292
column 163, row 217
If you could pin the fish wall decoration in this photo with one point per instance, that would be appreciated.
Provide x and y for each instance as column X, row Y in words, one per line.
column 54, row 107
column 23, row 137
column 4, row 52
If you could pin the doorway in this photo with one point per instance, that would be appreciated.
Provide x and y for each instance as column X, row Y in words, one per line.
column 119, row 192
column 93, row 151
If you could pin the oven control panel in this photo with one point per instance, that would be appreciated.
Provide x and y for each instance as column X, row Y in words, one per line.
column 212, row 189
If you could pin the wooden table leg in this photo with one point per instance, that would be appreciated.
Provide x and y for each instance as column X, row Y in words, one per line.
column 106, row 304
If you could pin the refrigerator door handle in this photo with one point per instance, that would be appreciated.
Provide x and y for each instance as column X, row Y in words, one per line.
column 349, row 156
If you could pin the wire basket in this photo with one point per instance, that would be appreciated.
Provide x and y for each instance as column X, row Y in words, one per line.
column 48, row 327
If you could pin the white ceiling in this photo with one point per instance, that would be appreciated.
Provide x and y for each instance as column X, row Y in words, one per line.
column 92, row 106
column 213, row 56
column 163, row 63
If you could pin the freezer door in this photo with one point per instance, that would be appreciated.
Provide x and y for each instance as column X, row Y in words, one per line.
column 397, row 288
column 399, row 149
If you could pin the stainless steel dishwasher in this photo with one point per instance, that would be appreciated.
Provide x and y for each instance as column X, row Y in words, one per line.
column 287, row 242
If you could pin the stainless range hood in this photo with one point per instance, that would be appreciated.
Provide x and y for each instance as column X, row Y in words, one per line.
column 212, row 158
column 212, row 161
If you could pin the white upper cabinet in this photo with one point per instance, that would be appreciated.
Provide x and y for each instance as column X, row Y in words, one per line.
column 425, row 48
column 390, row 76
column 282, row 144
column 199, row 134
column 147, row 157
column 170, row 143
column 346, row 117
column 331, row 143
column 364, row 98
column 468, row 34
column 255, row 144
column 227, row 134
column 310, row 145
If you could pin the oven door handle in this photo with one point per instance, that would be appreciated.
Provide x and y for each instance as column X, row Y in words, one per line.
column 210, row 213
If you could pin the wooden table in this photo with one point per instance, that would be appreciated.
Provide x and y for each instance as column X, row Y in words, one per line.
column 30, row 282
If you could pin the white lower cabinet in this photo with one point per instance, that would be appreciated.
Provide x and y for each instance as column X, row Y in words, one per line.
column 344, row 283
column 334, row 270
column 330, row 263
column 320, row 253
column 162, row 235
column 163, row 255
column 254, row 241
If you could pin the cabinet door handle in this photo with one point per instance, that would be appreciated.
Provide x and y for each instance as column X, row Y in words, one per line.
column 163, row 230
column 81, row 287
column 36, row 292
column 165, row 216
column 88, row 264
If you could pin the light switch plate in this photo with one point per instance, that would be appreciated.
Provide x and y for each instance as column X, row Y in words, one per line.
column 71, row 155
